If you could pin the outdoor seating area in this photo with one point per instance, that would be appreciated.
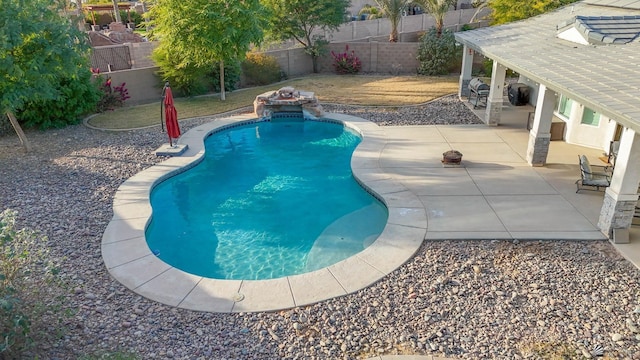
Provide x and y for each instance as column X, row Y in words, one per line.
column 590, row 178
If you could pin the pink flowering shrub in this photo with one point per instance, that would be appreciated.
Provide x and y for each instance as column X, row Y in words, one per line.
column 112, row 96
column 346, row 62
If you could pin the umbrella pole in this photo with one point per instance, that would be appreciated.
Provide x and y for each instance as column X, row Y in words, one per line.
column 164, row 89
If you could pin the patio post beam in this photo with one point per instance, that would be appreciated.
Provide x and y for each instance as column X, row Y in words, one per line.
column 465, row 73
column 540, row 134
column 496, row 97
column 621, row 197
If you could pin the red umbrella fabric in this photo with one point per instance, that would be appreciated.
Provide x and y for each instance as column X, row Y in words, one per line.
column 171, row 116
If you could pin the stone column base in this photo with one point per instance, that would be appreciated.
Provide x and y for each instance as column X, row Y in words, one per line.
column 538, row 149
column 615, row 214
column 463, row 90
column 493, row 112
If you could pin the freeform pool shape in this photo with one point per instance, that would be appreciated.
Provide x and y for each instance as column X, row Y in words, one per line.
column 131, row 262
column 269, row 199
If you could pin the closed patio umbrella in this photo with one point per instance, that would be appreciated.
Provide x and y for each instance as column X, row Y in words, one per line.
column 171, row 116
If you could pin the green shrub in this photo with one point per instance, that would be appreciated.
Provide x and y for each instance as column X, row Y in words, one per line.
column 438, row 55
column 487, row 68
column 260, row 69
column 231, row 77
column 75, row 97
column 186, row 79
column 31, row 295
column 133, row 16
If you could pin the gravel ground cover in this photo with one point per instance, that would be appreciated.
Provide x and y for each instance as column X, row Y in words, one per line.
column 460, row 299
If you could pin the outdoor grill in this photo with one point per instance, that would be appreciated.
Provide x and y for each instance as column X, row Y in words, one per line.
column 478, row 92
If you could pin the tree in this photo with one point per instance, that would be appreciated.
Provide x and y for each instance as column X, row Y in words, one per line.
column 299, row 19
column 39, row 46
column 393, row 9
column 116, row 10
column 438, row 9
column 504, row 11
column 200, row 33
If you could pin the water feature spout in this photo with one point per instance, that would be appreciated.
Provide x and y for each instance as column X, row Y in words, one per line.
column 286, row 100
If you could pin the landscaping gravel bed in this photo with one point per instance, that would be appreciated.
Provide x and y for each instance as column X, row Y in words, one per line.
column 460, row 299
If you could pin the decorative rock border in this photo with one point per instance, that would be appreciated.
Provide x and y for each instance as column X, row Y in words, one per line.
column 130, row 261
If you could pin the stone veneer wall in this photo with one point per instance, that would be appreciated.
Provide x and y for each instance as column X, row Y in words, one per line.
column 615, row 214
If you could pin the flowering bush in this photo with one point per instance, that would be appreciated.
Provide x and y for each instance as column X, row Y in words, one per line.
column 346, row 62
column 112, row 96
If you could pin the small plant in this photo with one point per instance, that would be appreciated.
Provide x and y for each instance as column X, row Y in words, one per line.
column 260, row 69
column 346, row 62
column 112, row 96
column 30, row 291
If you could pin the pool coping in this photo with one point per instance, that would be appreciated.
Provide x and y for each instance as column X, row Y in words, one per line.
column 130, row 261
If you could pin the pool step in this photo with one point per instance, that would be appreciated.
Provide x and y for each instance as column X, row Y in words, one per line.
column 346, row 236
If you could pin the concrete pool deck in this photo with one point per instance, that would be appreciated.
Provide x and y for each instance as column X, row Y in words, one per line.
column 495, row 194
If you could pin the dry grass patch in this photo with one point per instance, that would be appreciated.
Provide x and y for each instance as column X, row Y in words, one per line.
column 341, row 89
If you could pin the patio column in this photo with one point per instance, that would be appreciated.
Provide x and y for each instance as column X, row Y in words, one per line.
column 621, row 196
column 496, row 96
column 540, row 134
column 465, row 73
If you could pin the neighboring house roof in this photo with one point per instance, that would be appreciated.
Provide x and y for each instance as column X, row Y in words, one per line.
column 600, row 30
column 602, row 71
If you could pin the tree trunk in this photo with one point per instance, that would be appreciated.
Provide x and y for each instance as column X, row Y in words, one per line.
column 222, row 97
column 393, row 37
column 116, row 10
column 18, row 129
column 314, row 61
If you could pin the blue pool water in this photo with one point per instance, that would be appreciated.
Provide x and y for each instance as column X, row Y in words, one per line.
column 270, row 199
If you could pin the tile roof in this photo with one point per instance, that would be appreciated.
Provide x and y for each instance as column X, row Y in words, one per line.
column 603, row 77
column 608, row 29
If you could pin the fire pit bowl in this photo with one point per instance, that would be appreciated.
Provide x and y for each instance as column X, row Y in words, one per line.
column 451, row 157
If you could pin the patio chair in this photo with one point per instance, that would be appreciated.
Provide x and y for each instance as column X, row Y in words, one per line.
column 614, row 146
column 590, row 178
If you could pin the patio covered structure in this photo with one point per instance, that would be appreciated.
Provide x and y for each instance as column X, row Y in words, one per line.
column 582, row 65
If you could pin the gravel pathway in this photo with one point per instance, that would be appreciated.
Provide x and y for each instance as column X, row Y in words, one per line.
column 460, row 299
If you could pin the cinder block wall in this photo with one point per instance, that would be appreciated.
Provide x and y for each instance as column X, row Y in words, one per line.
column 376, row 57
column 294, row 62
column 141, row 54
column 143, row 84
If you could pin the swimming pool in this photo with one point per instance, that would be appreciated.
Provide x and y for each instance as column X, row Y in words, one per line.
column 269, row 199
column 129, row 260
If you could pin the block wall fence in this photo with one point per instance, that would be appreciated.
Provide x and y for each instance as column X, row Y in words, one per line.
column 144, row 84
column 368, row 39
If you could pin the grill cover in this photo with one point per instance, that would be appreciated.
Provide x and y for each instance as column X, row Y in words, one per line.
column 518, row 94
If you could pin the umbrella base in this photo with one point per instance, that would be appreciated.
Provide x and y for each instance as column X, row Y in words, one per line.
column 168, row 150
